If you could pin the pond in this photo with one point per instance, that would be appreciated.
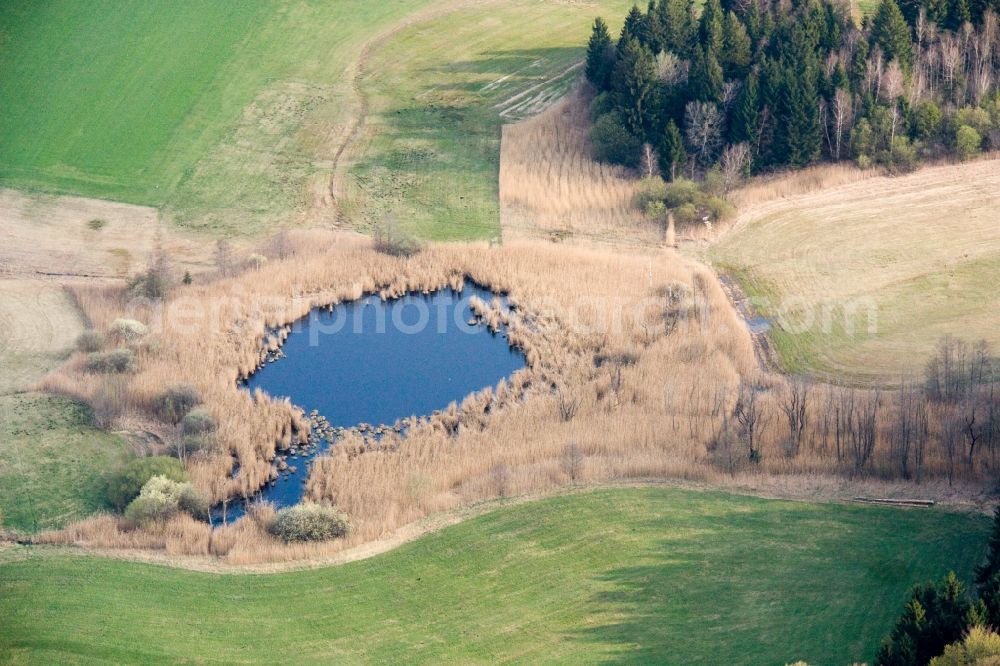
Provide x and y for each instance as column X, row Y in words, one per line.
column 375, row 362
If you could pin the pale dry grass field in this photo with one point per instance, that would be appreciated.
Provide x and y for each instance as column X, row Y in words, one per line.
column 47, row 240
column 550, row 187
column 64, row 236
column 38, row 323
column 913, row 257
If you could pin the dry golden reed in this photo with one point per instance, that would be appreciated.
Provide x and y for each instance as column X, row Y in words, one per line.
column 645, row 344
column 551, row 187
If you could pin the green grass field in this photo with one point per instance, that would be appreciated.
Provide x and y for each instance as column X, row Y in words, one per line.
column 640, row 575
column 439, row 91
column 214, row 111
column 227, row 115
column 53, row 461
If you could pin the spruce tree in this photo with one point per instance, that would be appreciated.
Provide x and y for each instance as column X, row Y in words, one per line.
column 654, row 28
column 892, row 34
column 710, row 27
column 797, row 133
column 633, row 83
column 677, row 26
column 634, row 28
column 743, row 126
column 736, row 49
column 599, row 58
column 705, row 78
column 988, row 574
column 671, row 151
column 958, row 15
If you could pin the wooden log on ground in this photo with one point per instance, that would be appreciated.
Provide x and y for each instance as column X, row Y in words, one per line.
column 895, row 502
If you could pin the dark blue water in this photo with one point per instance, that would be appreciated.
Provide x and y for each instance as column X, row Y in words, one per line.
column 376, row 362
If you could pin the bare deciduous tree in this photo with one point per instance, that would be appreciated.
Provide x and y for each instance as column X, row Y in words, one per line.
column 864, row 433
column 224, row 257
column 795, row 405
column 751, row 416
column 735, row 164
column 703, row 130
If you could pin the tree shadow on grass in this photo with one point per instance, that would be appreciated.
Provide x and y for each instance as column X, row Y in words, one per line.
column 760, row 586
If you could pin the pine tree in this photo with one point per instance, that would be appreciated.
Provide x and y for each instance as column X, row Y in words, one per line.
column 671, row 151
column 599, row 55
column 735, row 57
column 633, row 82
column 710, row 27
column 892, row 34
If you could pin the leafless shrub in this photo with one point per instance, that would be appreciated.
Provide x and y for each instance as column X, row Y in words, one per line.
column 572, row 461
column 568, row 405
column 500, row 476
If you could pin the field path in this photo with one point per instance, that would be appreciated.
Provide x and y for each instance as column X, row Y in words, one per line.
column 349, row 143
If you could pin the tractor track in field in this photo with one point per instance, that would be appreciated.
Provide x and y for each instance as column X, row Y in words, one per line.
column 341, row 161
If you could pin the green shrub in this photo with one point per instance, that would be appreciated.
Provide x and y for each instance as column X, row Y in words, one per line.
column 391, row 239
column 193, row 502
column 127, row 330
column 603, row 104
column 96, row 224
column 309, row 522
column 651, row 190
column 125, row 484
column 173, row 403
column 975, row 117
column 927, row 120
column 613, row 143
column 718, row 208
column 159, row 499
column 686, row 214
column 114, row 361
column 152, row 284
column 681, row 191
column 90, row 341
column 968, row 142
column 901, row 157
column 198, row 422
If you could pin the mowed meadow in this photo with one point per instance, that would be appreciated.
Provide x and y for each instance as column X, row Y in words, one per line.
column 438, row 92
column 654, row 575
column 860, row 280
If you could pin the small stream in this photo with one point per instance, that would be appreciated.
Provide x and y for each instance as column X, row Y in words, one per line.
column 370, row 363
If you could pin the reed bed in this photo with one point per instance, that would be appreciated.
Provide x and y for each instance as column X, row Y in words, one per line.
column 550, row 185
column 636, row 365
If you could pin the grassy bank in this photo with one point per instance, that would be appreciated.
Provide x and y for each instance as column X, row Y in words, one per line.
column 52, row 461
column 655, row 575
